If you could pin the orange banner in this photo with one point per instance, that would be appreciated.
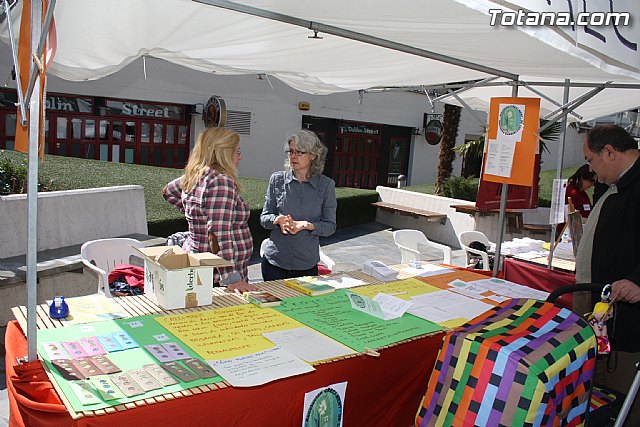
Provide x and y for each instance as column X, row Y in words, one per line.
column 512, row 141
column 24, row 64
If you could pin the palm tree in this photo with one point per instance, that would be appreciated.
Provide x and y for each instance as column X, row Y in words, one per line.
column 474, row 149
column 450, row 122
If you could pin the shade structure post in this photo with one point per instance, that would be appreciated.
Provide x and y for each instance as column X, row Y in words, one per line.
column 32, row 191
column 503, row 209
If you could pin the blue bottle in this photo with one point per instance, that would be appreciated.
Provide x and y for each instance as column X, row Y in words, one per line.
column 58, row 308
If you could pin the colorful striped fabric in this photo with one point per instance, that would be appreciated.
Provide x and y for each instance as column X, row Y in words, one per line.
column 522, row 363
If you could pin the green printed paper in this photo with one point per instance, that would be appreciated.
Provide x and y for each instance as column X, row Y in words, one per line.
column 333, row 316
column 144, row 330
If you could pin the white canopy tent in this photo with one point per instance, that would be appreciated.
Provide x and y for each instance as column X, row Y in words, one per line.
column 359, row 45
column 97, row 38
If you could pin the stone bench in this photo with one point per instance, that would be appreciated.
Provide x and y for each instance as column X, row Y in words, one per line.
column 406, row 210
column 66, row 220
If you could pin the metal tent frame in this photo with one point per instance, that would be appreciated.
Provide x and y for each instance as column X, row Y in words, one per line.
column 39, row 30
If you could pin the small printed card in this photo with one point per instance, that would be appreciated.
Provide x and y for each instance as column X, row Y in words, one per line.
column 175, row 351
column 55, row 351
column 180, row 371
column 74, row 349
column 92, row 346
column 107, row 389
column 125, row 340
column 160, row 374
column 105, row 364
column 144, row 379
column 67, row 369
column 126, row 384
column 383, row 306
column 84, row 392
column 109, row 343
column 201, row 368
column 86, row 366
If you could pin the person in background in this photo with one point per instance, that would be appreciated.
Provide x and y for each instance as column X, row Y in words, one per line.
column 209, row 196
column 609, row 248
column 577, row 186
column 300, row 206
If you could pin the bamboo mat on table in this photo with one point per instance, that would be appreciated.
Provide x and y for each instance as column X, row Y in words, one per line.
column 141, row 305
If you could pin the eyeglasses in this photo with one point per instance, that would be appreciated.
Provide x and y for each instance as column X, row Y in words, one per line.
column 294, row 152
column 239, row 152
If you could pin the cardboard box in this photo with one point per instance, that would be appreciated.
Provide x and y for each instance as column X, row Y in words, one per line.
column 178, row 279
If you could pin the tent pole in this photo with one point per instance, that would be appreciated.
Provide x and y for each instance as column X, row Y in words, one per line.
column 563, row 136
column 353, row 35
column 32, row 192
column 570, row 106
column 503, row 208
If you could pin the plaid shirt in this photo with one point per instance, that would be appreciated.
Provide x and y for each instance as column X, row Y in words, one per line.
column 214, row 204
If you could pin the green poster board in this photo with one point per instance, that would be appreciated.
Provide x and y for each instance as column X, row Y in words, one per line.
column 333, row 316
column 144, row 330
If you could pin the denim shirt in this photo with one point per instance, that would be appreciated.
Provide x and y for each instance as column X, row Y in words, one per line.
column 314, row 201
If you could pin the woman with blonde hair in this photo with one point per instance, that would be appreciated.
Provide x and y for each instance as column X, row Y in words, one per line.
column 209, row 196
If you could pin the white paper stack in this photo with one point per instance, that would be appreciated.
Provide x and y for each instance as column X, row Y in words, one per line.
column 379, row 270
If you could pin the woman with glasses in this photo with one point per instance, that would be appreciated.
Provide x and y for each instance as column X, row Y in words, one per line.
column 300, row 206
column 208, row 194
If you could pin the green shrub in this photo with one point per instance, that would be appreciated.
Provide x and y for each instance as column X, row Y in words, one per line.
column 461, row 188
column 14, row 173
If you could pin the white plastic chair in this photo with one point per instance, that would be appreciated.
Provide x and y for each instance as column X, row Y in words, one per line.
column 103, row 255
column 466, row 238
column 408, row 241
column 324, row 258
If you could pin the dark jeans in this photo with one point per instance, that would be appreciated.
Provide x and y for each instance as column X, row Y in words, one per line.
column 272, row 272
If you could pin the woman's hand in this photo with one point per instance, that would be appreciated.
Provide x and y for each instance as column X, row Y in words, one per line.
column 241, row 286
column 284, row 221
column 296, row 226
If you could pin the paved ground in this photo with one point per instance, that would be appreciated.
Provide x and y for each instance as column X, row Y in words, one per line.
column 348, row 247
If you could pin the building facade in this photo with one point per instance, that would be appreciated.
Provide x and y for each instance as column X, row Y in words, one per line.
column 152, row 115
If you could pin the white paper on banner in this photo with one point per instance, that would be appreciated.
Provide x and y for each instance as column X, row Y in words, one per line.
column 324, row 406
column 510, row 289
column 510, row 122
column 308, row 344
column 382, row 306
column 260, row 368
column 500, row 157
column 498, row 298
column 467, row 289
column 556, row 213
column 441, row 306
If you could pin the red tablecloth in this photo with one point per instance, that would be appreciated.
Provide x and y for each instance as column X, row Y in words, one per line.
column 384, row 391
column 538, row 277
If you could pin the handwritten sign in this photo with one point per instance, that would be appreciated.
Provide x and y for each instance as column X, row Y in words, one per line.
column 260, row 368
column 333, row 316
column 227, row 332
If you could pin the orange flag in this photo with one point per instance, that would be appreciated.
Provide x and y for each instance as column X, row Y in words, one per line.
column 24, row 63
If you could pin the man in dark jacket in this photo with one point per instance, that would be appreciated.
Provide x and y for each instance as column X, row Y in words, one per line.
column 609, row 251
